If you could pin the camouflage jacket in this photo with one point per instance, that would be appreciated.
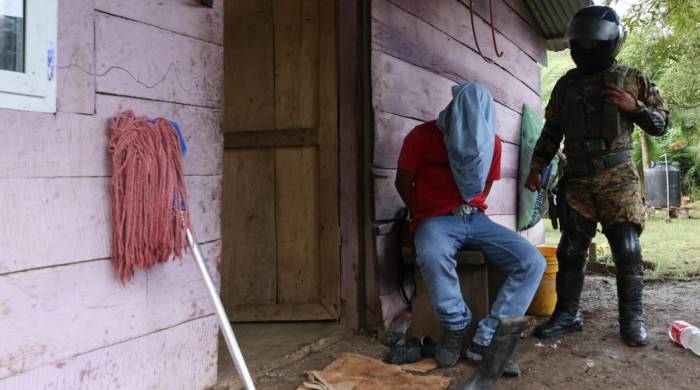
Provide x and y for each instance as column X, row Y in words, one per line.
column 558, row 119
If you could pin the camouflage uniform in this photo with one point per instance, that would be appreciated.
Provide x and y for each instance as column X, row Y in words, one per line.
column 599, row 193
column 600, row 184
column 609, row 197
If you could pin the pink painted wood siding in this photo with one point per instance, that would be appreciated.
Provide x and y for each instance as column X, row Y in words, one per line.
column 67, row 144
column 403, row 35
column 65, row 320
column 185, row 17
column 189, row 364
column 75, row 86
column 166, row 66
column 53, row 221
column 420, row 49
column 79, row 307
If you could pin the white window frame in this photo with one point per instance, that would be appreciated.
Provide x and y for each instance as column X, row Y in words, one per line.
column 35, row 88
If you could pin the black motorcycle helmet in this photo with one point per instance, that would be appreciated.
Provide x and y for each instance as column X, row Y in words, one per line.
column 597, row 23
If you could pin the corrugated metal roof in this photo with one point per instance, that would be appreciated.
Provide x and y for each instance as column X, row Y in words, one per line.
column 553, row 16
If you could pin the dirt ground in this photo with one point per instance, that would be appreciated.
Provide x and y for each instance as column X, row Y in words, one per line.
column 593, row 359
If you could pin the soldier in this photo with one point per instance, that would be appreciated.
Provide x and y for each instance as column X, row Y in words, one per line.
column 594, row 108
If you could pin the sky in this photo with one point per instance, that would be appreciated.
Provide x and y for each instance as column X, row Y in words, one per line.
column 621, row 6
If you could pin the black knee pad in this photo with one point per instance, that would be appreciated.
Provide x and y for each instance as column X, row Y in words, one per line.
column 577, row 235
column 625, row 247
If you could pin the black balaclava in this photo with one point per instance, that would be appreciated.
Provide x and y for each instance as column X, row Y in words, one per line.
column 591, row 61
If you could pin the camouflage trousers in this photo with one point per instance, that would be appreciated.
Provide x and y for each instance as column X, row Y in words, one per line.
column 612, row 196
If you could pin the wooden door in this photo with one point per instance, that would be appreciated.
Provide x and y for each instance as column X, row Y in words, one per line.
column 280, row 189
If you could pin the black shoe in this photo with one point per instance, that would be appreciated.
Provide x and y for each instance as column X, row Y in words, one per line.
column 566, row 317
column 496, row 356
column 448, row 350
column 475, row 354
column 405, row 350
column 560, row 323
column 629, row 295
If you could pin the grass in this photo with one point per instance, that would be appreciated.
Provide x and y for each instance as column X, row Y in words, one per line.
column 674, row 248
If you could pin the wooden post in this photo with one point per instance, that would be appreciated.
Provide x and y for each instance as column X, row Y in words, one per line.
column 644, row 146
column 592, row 253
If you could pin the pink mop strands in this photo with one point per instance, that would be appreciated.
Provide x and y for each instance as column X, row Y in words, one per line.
column 148, row 177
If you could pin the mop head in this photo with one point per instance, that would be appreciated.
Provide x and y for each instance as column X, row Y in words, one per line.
column 149, row 198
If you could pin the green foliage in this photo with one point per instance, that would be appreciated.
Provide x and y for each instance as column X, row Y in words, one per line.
column 664, row 40
column 558, row 63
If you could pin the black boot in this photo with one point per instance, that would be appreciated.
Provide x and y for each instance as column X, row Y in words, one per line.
column 629, row 295
column 475, row 354
column 449, row 349
column 571, row 255
column 496, row 356
column 567, row 316
column 624, row 244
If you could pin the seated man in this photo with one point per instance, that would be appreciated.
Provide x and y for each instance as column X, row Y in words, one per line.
column 445, row 220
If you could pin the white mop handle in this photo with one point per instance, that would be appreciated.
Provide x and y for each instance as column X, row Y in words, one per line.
column 223, row 318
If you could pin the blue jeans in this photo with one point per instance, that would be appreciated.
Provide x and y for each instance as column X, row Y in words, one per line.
column 437, row 241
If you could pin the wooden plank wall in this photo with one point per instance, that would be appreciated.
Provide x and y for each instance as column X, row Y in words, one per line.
column 66, row 321
column 421, row 49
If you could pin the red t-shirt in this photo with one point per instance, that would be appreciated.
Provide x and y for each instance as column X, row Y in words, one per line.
column 424, row 154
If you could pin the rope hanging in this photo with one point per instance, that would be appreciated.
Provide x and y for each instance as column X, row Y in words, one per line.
column 149, row 197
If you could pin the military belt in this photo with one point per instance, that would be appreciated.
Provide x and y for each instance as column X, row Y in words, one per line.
column 593, row 166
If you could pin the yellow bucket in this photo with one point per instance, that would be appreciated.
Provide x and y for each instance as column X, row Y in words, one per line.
column 546, row 296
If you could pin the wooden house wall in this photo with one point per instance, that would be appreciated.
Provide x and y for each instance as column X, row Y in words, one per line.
column 66, row 322
column 419, row 50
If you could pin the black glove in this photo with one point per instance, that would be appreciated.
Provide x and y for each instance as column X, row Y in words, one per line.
column 651, row 122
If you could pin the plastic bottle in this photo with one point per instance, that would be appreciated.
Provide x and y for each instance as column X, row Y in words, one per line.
column 690, row 339
column 686, row 335
column 674, row 330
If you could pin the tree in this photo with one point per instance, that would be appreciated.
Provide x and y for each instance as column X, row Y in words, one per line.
column 664, row 40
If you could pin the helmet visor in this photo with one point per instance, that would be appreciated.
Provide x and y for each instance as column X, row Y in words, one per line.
column 592, row 28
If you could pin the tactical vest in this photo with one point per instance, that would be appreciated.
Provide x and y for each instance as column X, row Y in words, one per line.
column 592, row 127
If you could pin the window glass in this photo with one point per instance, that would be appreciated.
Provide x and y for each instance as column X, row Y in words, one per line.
column 12, row 35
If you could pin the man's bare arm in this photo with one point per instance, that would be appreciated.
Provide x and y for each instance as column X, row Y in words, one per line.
column 487, row 189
